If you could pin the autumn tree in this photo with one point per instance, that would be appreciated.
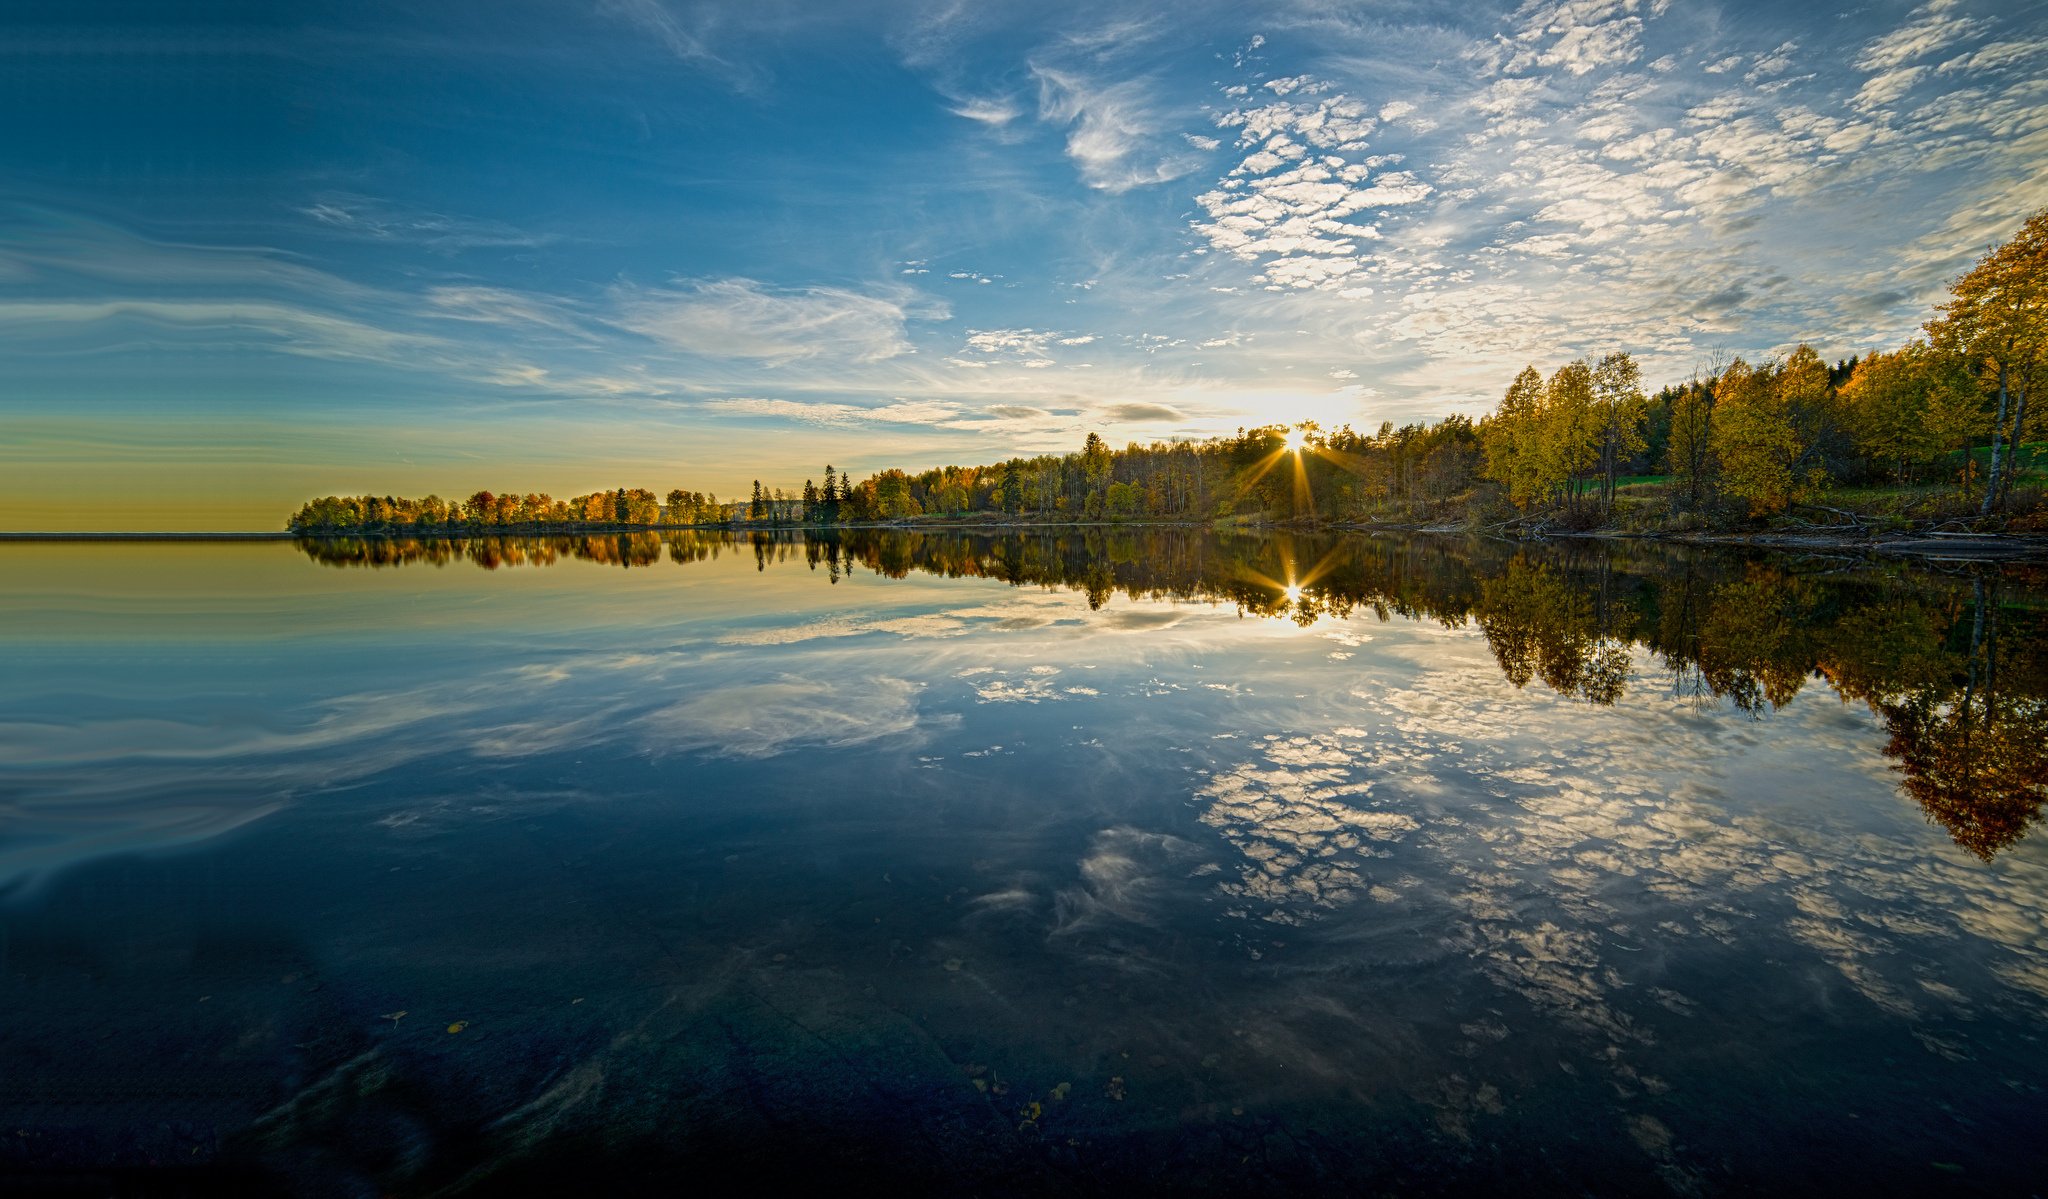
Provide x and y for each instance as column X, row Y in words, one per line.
column 1570, row 428
column 1689, row 450
column 1512, row 440
column 1622, row 413
column 1995, row 322
column 1756, row 441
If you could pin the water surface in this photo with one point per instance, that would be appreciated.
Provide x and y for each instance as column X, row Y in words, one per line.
column 1099, row 862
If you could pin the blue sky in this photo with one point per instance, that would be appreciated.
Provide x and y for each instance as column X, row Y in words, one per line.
column 253, row 252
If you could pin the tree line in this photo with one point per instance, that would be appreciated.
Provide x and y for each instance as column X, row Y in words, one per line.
column 1744, row 438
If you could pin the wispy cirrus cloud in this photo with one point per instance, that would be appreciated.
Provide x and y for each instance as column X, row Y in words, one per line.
column 1117, row 136
column 111, row 325
column 381, row 220
column 993, row 111
column 743, row 318
column 822, row 412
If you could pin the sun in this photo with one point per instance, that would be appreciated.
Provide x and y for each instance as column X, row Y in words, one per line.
column 1294, row 441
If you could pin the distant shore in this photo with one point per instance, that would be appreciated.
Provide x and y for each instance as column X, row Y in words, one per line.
column 1978, row 546
column 4, row 536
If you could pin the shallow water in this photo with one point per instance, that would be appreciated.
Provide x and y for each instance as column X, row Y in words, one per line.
column 1105, row 862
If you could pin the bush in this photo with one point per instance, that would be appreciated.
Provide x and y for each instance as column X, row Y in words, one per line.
column 1580, row 516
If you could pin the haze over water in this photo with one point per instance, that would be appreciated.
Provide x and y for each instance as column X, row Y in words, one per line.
column 1098, row 861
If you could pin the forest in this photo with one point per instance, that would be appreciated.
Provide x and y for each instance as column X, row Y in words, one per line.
column 1933, row 432
column 1955, row 666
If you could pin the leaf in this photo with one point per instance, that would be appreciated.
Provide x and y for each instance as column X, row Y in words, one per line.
column 458, row 1026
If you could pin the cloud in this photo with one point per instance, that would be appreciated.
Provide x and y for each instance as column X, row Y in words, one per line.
column 223, row 324
column 1020, row 347
column 1885, row 89
column 681, row 38
column 377, row 220
column 1289, row 201
column 1934, row 26
column 902, row 412
column 741, row 318
column 498, row 306
column 1998, row 56
column 997, row 341
column 994, row 112
column 1138, row 413
column 1113, row 130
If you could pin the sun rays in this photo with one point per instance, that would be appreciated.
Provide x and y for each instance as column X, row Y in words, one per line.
column 1294, row 443
column 1301, row 605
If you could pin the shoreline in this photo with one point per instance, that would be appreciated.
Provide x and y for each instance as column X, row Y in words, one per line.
column 1932, row 546
column 149, row 536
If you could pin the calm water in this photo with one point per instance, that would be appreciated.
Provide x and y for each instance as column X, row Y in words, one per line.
column 1094, row 863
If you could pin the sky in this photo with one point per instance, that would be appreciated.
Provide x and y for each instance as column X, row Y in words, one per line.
column 251, row 253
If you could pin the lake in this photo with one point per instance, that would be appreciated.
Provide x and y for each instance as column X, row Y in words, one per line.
column 1098, row 861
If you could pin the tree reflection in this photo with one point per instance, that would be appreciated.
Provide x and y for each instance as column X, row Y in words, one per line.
column 1541, row 624
column 1953, row 665
column 1974, row 756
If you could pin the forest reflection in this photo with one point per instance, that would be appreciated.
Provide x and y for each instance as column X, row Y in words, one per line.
column 1953, row 663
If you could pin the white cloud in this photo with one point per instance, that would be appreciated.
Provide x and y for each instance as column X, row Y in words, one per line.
column 814, row 412
column 497, row 306
column 995, row 112
column 286, row 328
column 377, row 220
column 1113, row 130
column 1887, row 88
column 1935, row 26
column 1288, row 203
column 998, row 341
column 1999, row 55
column 741, row 318
column 656, row 19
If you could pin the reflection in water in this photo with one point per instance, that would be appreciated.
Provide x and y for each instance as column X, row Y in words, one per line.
column 1955, row 665
column 1072, row 863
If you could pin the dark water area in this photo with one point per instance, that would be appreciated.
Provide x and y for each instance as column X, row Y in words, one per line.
column 1107, row 862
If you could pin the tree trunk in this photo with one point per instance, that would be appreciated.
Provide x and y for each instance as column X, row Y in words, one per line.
column 1997, row 432
column 2018, row 440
